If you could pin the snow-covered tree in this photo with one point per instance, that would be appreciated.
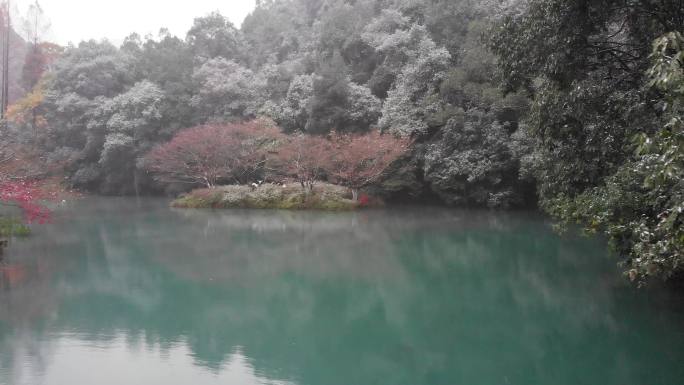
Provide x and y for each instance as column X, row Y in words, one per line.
column 415, row 93
column 227, row 91
column 292, row 114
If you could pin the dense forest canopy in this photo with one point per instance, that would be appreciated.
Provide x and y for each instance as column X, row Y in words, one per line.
column 606, row 80
column 409, row 68
column 571, row 104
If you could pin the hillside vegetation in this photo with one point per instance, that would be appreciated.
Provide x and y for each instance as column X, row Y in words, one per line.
column 573, row 105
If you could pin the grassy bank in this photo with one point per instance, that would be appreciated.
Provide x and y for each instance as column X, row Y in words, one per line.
column 11, row 226
column 270, row 196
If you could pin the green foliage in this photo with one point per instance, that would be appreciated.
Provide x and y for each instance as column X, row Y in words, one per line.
column 474, row 163
column 13, row 227
column 606, row 129
column 337, row 104
column 124, row 128
column 226, row 91
column 275, row 31
column 413, row 96
column 409, row 67
column 363, row 109
column 168, row 63
column 292, row 114
column 92, row 69
column 214, row 36
column 330, row 97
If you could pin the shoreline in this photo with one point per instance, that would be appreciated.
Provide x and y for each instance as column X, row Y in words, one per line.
column 322, row 197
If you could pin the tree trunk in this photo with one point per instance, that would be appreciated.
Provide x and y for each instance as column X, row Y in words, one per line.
column 355, row 194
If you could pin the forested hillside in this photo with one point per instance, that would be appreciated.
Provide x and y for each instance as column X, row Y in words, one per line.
column 608, row 86
column 418, row 69
column 572, row 104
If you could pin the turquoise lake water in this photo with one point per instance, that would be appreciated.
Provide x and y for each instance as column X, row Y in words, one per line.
column 128, row 291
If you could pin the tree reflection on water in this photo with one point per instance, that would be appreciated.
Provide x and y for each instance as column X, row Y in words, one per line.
column 392, row 297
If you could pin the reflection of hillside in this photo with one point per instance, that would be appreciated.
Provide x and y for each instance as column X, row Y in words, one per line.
column 71, row 362
column 245, row 247
column 26, row 291
column 414, row 297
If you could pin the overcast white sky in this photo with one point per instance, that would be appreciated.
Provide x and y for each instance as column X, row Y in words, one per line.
column 76, row 20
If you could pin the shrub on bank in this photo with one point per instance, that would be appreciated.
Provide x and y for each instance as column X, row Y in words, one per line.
column 250, row 152
column 322, row 196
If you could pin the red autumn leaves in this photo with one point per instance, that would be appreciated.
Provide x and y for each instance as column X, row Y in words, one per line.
column 22, row 185
column 212, row 154
column 26, row 195
column 241, row 153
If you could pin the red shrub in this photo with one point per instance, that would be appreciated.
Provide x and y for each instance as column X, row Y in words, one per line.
column 303, row 158
column 359, row 160
column 24, row 183
column 211, row 154
column 26, row 196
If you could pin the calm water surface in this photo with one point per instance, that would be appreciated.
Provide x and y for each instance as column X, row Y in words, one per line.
column 126, row 291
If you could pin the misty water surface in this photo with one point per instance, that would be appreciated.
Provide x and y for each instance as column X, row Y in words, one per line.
column 126, row 291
